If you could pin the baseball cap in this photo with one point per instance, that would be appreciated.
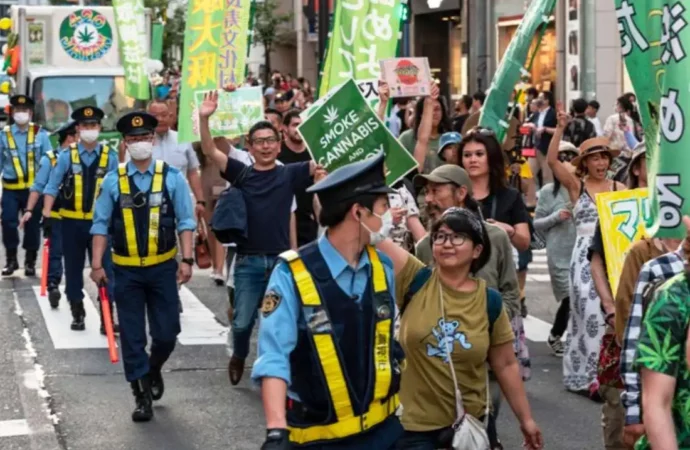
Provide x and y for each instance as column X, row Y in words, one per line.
column 445, row 174
column 451, row 137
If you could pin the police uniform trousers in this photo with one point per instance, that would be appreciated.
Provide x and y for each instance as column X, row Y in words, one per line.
column 76, row 238
column 55, row 256
column 140, row 292
column 14, row 201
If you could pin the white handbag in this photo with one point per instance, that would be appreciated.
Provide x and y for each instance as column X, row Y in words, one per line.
column 469, row 432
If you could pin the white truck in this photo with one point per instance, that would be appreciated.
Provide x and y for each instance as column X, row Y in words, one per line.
column 69, row 59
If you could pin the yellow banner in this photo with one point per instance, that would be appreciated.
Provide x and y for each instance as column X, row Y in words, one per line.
column 622, row 218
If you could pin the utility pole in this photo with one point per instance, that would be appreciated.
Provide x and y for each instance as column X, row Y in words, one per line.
column 299, row 36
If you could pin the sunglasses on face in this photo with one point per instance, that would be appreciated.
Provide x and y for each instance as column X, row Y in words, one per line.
column 440, row 238
column 566, row 157
column 480, row 131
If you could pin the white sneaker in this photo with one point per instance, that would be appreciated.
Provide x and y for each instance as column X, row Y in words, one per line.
column 556, row 346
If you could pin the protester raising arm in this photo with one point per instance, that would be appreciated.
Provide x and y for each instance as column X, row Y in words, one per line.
column 568, row 179
column 208, row 147
column 421, row 148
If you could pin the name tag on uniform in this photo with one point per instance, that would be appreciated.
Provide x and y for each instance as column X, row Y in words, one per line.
column 100, row 172
column 126, row 201
column 156, row 199
column 76, row 168
column 318, row 321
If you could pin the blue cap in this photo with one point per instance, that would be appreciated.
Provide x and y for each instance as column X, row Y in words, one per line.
column 360, row 178
column 452, row 137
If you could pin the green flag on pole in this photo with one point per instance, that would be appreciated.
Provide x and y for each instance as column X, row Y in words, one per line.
column 512, row 66
column 655, row 41
column 131, row 29
column 157, row 41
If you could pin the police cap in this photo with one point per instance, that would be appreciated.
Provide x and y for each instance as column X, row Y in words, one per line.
column 66, row 130
column 353, row 180
column 137, row 123
column 22, row 101
column 88, row 114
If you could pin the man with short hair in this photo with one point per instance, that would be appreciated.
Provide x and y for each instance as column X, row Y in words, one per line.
column 275, row 117
column 477, row 102
column 22, row 145
column 544, row 123
column 180, row 156
column 268, row 190
column 579, row 129
column 591, row 113
column 293, row 149
column 463, row 108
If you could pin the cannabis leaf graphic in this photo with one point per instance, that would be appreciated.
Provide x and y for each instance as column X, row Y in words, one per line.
column 85, row 36
column 331, row 115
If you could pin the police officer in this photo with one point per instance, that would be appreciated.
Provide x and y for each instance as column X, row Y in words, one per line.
column 326, row 329
column 76, row 180
column 21, row 147
column 67, row 135
column 142, row 206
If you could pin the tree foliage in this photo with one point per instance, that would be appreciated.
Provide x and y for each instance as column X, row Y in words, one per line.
column 270, row 29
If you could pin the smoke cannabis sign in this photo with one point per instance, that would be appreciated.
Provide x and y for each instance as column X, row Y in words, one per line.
column 344, row 129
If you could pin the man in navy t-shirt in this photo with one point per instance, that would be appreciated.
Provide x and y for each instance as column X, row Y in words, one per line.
column 268, row 191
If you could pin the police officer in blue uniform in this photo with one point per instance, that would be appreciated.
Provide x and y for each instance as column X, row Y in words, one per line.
column 67, row 135
column 328, row 364
column 75, row 181
column 21, row 147
column 142, row 206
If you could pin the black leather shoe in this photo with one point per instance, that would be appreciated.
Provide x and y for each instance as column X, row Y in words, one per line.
column 116, row 328
column 157, row 384
column 78, row 315
column 12, row 265
column 141, row 389
column 54, row 296
column 30, row 263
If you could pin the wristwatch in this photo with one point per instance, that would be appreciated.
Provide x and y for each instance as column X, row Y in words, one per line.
column 189, row 261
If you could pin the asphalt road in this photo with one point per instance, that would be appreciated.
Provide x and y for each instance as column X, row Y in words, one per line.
column 60, row 392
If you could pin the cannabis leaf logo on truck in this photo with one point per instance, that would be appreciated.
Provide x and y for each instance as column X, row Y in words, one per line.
column 86, row 35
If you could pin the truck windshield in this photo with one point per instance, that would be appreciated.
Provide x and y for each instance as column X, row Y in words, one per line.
column 56, row 97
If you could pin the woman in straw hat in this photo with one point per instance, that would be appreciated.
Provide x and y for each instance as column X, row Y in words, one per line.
column 585, row 327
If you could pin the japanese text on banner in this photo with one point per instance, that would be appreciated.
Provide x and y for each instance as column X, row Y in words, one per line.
column 202, row 39
column 364, row 32
column 623, row 216
column 131, row 29
column 233, row 48
column 654, row 35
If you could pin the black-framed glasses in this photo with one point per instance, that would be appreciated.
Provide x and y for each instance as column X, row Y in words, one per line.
column 266, row 140
column 440, row 238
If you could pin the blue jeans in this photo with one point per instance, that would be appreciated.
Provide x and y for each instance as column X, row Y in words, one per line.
column 251, row 277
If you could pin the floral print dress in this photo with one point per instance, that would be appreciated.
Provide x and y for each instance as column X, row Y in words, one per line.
column 586, row 322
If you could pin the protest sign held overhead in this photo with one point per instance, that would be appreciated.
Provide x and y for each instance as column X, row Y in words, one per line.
column 344, row 129
column 406, row 77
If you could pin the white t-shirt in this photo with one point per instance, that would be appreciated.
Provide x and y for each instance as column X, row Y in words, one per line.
column 179, row 156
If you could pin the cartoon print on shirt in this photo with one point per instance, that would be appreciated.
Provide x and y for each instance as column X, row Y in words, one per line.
column 446, row 332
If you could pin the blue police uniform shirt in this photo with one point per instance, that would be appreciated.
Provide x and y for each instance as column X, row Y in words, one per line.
column 175, row 182
column 278, row 331
column 43, row 174
column 65, row 161
column 41, row 146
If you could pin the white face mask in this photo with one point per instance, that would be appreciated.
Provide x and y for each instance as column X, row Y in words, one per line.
column 140, row 150
column 376, row 237
column 21, row 118
column 89, row 136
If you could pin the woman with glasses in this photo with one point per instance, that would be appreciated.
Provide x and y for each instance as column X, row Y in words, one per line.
column 553, row 217
column 451, row 326
column 586, row 324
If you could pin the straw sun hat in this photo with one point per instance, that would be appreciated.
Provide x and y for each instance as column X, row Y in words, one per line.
column 593, row 146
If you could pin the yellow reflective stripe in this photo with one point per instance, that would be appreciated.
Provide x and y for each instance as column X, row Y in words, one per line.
column 52, row 157
column 102, row 164
column 154, row 212
column 78, row 184
column 128, row 215
column 377, row 413
column 55, row 215
column 382, row 361
column 144, row 261
column 15, row 160
column 15, row 186
column 325, row 346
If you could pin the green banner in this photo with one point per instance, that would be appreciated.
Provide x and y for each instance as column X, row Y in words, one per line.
column 363, row 33
column 235, row 44
column 130, row 21
column 654, row 37
column 202, row 39
column 512, row 65
column 344, row 129
column 157, row 41
column 237, row 111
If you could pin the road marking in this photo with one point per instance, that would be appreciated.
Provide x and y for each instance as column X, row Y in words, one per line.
column 17, row 427
column 537, row 266
column 539, row 277
column 58, row 323
column 536, row 330
column 198, row 323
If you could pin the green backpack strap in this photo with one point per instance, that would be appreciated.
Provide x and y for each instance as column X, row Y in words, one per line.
column 418, row 281
column 494, row 306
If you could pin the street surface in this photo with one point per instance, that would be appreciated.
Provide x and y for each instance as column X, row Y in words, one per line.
column 58, row 390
